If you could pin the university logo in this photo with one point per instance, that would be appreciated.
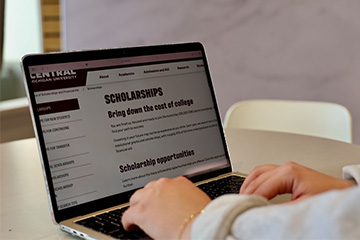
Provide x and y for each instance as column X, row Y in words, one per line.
column 52, row 74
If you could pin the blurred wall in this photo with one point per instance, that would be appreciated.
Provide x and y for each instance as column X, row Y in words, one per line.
column 279, row 49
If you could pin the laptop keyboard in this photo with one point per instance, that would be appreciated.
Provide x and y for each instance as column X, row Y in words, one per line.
column 222, row 186
column 110, row 223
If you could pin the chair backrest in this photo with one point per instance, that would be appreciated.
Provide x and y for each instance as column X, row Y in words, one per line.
column 321, row 119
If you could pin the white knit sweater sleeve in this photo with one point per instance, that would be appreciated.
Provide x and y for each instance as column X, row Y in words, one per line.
column 331, row 215
column 352, row 172
column 217, row 219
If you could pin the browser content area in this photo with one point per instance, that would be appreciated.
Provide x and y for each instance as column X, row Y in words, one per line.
column 113, row 130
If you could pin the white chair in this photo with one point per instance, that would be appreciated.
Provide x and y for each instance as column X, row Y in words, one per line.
column 321, row 119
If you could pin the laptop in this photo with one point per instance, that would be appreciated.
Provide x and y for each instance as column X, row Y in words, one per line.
column 109, row 121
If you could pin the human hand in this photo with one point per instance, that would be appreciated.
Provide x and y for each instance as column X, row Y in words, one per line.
column 161, row 207
column 271, row 180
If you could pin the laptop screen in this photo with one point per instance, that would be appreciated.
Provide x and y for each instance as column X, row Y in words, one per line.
column 110, row 125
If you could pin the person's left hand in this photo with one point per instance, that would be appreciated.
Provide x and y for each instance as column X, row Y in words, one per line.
column 161, row 207
column 302, row 182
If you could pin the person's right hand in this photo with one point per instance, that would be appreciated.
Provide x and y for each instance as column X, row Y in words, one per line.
column 271, row 180
column 161, row 207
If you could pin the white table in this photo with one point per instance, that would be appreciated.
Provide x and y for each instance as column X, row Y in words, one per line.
column 250, row 148
column 25, row 212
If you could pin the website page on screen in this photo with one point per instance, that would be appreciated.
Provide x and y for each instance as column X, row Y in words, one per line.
column 113, row 129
